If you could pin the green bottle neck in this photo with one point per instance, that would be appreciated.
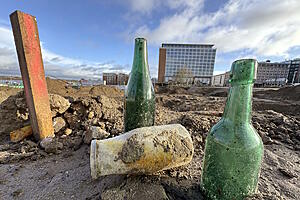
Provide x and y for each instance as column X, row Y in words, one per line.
column 140, row 61
column 239, row 105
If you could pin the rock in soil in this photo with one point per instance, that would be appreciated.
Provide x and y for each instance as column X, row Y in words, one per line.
column 68, row 131
column 94, row 132
column 51, row 145
column 58, row 124
column 58, row 104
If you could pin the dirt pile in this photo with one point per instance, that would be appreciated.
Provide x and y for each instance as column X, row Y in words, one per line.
column 61, row 87
column 285, row 93
column 77, row 116
column 5, row 92
column 56, row 86
column 108, row 91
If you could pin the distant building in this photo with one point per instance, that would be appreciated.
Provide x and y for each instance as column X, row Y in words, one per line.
column 193, row 61
column 122, row 79
column 110, row 78
column 83, row 82
column 226, row 81
column 274, row 74
column 218, row 80
column 294, row 71
column 115, row 79
column 221, row 79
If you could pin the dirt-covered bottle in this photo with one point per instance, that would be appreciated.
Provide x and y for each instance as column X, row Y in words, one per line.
column 139, row 106
column 233, row 149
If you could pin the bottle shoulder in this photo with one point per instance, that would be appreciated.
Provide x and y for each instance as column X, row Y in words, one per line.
column 238, row 135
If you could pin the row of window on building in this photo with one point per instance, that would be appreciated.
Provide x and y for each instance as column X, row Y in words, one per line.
column 269, row 74
column 197, row 59
column 115, row 78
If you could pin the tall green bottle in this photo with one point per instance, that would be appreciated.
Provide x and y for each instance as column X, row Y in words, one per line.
column 139, row 107
column 233, row 149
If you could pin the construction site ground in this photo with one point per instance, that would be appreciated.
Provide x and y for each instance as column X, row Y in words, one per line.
column 28, row 171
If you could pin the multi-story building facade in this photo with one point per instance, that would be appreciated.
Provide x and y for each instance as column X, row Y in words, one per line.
column 218, row 80
column 221, row 79
column 227, row 77
column 192, row 61
column 115, row 79
column 294, row 71
column 109, row 78
column 122, row 79
column 269, row 73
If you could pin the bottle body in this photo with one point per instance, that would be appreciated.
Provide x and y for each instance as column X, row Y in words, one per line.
column 233, row 149
column 231, row 166
column 139, row 104
column 142, row 151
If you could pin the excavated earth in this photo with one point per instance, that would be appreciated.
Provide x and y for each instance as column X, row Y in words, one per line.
column 31, row 170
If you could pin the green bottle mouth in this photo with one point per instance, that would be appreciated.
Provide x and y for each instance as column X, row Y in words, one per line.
column 140, row 40
column 243, row 71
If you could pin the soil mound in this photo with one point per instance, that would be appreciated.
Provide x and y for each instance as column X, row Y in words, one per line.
column 286, row 93
column 56, row 86
column 171, row 90
column 5, row 92
column 62, row 88
column 106, row 90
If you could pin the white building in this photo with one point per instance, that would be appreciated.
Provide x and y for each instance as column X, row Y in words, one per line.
column 195, row 60
column 218, row 80
column 269, row 73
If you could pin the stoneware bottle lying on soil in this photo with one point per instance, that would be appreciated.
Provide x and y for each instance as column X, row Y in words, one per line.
column 139, row 106
column 233, row 149
column 142, row 151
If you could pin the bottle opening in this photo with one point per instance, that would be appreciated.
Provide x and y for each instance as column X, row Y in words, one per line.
column 243, row 71
column 140, row 39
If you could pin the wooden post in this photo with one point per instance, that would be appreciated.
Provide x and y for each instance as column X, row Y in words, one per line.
column 30, row 60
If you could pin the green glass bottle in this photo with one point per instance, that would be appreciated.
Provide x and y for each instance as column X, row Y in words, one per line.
column 139, row 106
column 233, row 149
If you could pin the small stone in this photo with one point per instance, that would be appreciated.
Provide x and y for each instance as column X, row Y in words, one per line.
column 91, row 115
column 94, row 132
column 79, row 133
column 17, row 193
column 58, row 124
column 267, row 140
column 76, row 143
column 50, row 145
column 199, row 139
column 94, row 121
column 287, row 173
column 31, row 143
column 68, row 131
column 23, row 149
column 102, row 125
column 21, row 103
column 58, row 104
column 63, row 136
column 72, row 120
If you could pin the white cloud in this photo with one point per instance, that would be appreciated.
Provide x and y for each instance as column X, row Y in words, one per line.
column 55, row 65
column 147, row 6
column 267, row 28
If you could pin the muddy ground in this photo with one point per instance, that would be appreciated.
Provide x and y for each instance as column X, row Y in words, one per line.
column 29, row 171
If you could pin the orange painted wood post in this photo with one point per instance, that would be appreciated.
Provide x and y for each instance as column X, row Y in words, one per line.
column 31, row 64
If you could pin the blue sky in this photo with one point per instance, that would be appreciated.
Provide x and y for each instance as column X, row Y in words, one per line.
column 82, row 39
